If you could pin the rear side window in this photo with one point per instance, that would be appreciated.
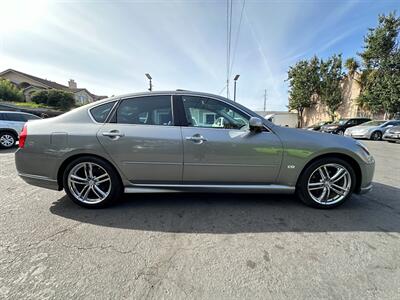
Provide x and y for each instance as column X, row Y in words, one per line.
column 100, row 113
column 31, row 117
column 16, row 117
column 2, row 117
column 149, row 110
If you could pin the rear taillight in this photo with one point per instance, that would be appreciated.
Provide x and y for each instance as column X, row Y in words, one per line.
column 22, row 136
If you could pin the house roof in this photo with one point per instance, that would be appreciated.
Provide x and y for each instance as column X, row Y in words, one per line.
column 52, row 84
column 49, row 83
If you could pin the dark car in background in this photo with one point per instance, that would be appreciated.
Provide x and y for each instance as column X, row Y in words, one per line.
column 339, row 127
column 317, row 126
column 392, row 134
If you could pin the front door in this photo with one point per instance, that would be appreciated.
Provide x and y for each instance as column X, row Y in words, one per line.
column 220, row 149
column 143, row 141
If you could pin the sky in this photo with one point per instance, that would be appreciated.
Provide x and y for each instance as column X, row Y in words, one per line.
column 108, row 46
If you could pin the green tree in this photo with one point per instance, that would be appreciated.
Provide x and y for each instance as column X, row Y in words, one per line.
column 9, row 92
column 331, row 75
column 303, row 81
column 381, row 61
column 56, row 98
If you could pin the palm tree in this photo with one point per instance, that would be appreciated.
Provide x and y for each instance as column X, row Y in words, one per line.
column 352, row 66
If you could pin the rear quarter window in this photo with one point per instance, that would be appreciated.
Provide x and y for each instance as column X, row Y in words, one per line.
column 101, row 112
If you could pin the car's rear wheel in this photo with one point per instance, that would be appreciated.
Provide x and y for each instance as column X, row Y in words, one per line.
column 7, row 139
column 91, row 182
column 376, row 136
column 326, row 183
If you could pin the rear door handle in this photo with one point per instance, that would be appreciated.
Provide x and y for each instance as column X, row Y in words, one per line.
column 115, row 134
column 197, row 138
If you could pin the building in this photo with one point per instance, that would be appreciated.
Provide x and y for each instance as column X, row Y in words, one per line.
column 30, row 84
column 281, row 118
column 348, row 109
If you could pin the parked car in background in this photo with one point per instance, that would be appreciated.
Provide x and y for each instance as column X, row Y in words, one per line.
column 340, row 126
column 392, row 134
column 373, row 130
column 11, row 124
column 186, row 141
column 317, row 126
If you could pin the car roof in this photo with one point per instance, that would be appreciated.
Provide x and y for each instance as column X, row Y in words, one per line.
column 15, row 112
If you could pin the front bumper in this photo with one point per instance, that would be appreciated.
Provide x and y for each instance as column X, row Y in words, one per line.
column 356, row 135
column 366, row 189
column 394, row 137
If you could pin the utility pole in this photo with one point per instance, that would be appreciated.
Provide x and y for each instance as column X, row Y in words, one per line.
column 265, row 99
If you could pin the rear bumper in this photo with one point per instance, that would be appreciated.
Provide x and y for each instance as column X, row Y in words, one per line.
column 40, row 181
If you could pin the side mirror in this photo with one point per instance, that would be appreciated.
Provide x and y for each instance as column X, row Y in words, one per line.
column 255, row 124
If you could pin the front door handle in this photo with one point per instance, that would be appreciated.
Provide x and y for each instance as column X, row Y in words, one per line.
column 114, row 134
column 197, row 138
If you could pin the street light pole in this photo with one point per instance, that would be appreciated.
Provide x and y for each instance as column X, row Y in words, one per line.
column 234, row 89
column 150, row 83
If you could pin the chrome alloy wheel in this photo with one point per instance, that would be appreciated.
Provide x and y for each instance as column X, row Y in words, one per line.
column 89, row 182
column 7, row 140
column 329, row 184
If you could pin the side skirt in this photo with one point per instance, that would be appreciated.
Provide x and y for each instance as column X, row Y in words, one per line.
column 178, row 188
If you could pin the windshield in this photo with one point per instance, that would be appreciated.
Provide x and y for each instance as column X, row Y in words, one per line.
column 373, row 123
column 340, row 122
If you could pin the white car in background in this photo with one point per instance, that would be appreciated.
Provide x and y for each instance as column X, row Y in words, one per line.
column 11, row 124
column 372, row 130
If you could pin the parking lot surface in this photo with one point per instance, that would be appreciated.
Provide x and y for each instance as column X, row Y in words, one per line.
column 214, row 246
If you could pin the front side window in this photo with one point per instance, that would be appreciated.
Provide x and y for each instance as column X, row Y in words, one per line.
column 211, row 113
column 100, row 113
column 149, row 110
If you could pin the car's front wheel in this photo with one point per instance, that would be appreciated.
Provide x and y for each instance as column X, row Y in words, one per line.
column 376, row 136
column 91, row 182
column 7, row 139
column 326, row 183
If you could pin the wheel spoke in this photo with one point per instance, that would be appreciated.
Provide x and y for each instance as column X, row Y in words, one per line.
column 98, row 190
column 104, row 180
column 77, row 179
column 322, row 197
column 338, row 173
column 321, row 173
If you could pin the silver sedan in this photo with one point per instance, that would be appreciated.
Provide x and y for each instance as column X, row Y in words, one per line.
column 186, row 141
column 373, row 130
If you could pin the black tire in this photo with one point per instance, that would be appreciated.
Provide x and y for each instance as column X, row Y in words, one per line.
column 115, row 184
column 376, row 136
column 302, row 190
column 8, row 135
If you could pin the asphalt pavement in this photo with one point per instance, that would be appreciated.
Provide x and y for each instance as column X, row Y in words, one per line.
column 203, row 246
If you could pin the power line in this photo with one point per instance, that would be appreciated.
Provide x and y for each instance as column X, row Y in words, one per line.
column 237, row 36
column 229, row 6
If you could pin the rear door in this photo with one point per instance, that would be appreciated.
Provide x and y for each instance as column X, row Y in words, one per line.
column 220, row 149
column 143, row 140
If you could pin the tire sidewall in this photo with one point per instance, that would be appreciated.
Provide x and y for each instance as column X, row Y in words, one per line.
column 116, row 185
column 13, row 136
column 302, row 190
